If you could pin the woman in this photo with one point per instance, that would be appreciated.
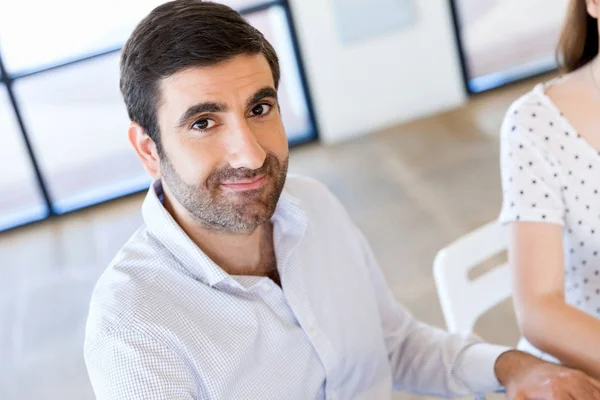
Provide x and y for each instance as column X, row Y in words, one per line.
column 551, row 180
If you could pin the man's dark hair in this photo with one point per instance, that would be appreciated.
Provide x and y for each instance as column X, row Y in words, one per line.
column 178, row 35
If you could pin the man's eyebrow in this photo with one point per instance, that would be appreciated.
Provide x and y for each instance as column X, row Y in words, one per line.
column 200, row 108
column 262, row 94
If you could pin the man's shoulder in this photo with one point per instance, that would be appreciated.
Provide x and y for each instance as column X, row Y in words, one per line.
column 308, row 189
column 122, row 290
column 316, row 200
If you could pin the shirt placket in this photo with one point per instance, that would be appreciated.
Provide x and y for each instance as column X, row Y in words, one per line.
column 321, row 343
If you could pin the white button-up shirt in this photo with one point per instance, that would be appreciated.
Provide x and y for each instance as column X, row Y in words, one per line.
column 166, row 322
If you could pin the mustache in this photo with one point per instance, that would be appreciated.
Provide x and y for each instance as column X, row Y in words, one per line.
column 270, row 165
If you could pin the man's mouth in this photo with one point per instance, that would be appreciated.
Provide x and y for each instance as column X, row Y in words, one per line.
column 240, row 185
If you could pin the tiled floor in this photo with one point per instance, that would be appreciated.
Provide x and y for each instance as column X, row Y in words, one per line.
column 412, row 189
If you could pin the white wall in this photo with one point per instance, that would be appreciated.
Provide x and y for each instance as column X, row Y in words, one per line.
column 370, row 85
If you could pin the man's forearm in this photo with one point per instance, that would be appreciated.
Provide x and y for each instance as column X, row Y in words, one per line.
column 527, row 377
column 511, row 364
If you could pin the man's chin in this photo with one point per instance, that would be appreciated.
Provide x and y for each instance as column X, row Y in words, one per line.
column 245, row 196
column 248, row 221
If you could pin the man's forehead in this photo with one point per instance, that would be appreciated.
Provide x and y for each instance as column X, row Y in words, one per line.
column 240, row 74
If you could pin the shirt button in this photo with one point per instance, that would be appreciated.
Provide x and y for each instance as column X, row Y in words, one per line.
column 333, row 395
column 265, row 287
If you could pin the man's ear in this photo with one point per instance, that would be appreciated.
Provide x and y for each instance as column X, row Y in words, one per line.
column 145, row 148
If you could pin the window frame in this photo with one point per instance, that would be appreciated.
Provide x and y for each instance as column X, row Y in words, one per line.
column 8, row 79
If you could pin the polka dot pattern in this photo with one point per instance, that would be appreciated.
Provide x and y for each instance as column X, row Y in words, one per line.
column 551, row 174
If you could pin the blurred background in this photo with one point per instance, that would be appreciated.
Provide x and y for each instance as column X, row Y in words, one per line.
column 401, row 123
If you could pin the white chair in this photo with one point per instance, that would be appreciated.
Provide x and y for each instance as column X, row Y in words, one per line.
column 464, row 300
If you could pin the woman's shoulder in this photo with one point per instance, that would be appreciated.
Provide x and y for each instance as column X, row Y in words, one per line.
column 536, row 101
column 533, row 112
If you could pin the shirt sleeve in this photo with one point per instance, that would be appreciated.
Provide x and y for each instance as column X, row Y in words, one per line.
column 128, row 365
column 530, row 177
column 425, row 359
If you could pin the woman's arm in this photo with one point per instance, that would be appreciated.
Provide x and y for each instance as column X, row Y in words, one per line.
column 546, row 320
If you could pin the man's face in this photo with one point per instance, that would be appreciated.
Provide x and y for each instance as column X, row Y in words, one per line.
column 225, row 149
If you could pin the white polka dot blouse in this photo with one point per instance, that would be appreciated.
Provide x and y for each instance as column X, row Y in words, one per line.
column 551, row 174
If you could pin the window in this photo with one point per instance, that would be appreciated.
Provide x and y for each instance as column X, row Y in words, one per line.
column 77, row 125
column 507, row 40
column 67, row 93
column 64, row 30
column 21, row 200
column 272, row 23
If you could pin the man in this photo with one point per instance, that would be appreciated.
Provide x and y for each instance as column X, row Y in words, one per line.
column 245, row 285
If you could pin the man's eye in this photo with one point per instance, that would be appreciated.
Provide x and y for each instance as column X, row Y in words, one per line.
column 261, row 109
column 203, row 124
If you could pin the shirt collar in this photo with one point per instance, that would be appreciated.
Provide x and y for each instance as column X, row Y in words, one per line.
column 289, row 222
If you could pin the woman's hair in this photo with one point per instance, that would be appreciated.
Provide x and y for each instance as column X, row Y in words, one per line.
column 578, row 43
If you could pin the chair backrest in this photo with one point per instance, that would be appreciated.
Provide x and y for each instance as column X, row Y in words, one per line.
column 463, row 300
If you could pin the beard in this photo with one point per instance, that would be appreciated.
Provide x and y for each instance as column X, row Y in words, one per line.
column 221, row 210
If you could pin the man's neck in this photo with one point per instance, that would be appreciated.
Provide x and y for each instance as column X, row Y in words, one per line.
column 239, row 253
